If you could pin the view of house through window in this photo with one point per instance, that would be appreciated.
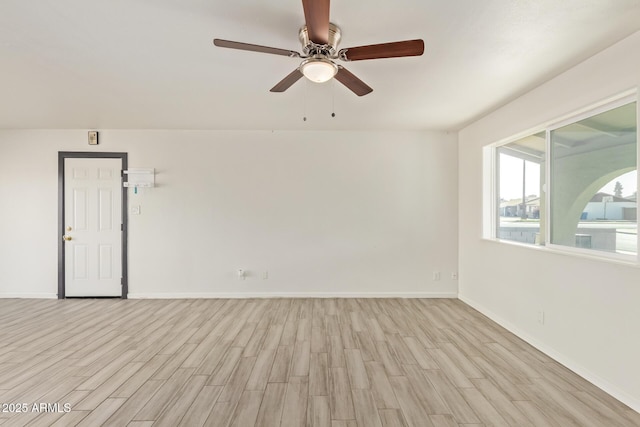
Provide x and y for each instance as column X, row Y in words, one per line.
column 520, row 179
column 594, row 182
column 592, row 189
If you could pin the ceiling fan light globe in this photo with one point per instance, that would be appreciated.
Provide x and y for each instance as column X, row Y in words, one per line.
column 318, row 70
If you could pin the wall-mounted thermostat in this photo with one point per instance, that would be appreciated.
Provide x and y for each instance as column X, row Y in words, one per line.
column 93, row 137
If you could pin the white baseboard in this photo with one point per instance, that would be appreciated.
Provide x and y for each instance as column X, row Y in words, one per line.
column 32, row 296
column 604, row 385
column 240, row 295
column 232, row 295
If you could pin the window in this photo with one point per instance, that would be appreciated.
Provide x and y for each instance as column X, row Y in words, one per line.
column 594, row 182
column 520, row 207
column 590, row 202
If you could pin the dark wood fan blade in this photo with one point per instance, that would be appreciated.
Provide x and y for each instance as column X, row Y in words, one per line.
column 356, row 85
column 316, row 14
column 383, row 50
column 255, row 48
column 288, row 81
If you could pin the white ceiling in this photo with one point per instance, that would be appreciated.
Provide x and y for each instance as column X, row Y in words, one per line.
column 151, row 64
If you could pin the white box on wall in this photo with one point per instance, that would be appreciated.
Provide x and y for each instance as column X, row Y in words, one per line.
column 140, row 177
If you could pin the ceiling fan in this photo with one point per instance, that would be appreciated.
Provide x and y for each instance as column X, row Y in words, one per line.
column 320, row 39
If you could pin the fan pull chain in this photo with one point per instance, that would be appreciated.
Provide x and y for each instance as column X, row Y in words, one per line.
column 333, row 98
column 304, row 105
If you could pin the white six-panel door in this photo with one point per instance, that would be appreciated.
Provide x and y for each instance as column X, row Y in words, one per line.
column 92, row 221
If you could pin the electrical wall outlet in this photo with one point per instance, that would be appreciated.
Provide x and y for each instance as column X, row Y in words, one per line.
column 265, row 275
column 541, row 317
column 241, row 273
column 436, row 275
column 454, row 276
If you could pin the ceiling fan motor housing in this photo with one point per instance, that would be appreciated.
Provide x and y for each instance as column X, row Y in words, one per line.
column 330, row 49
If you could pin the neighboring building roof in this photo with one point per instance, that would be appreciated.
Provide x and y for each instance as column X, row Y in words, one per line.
column 598, row 198
column 535, row 201
column 531, row 201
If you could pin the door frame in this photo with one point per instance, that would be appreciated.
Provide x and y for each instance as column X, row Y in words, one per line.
column 62, row 155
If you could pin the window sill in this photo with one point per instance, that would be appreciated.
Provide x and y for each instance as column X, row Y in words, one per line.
column 626, row 260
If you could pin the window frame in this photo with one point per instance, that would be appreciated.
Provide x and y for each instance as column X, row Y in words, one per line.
column 525, row 158
column 492, row 191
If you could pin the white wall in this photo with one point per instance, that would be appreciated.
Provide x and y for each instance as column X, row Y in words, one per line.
column 614, row 210
column 325, row 213
column 592, row 308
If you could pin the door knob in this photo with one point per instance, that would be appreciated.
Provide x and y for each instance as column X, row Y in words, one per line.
column 67, row 238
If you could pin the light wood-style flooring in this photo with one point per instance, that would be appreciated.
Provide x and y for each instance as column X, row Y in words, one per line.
column 283, row 362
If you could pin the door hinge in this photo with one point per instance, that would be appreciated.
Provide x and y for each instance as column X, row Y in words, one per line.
column 121, row 227
column 122, row 174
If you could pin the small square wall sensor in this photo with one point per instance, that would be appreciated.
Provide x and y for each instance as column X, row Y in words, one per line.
column 93, row 137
